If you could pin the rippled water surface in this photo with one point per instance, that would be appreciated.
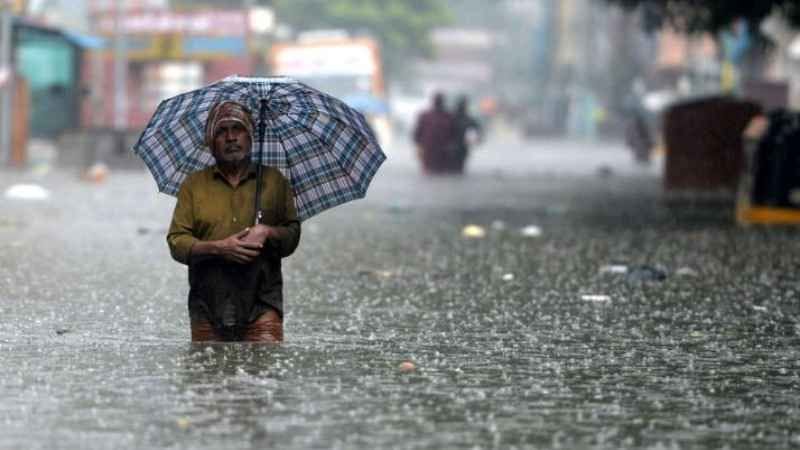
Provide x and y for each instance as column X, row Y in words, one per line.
column 518, row 341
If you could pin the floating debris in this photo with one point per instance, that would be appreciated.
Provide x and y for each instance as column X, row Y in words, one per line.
column 531, row 231
column 760, row 308
column 686, row 272
column 27, row 192
column 473, row 232
column 96, row 173
column 183, row 423
column 407, row 367
column 600, row 298
column 619, row 269
column 645, row 273
column 508, row 277
column 376, row 273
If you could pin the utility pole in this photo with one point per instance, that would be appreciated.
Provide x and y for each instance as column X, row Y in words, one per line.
column 120, row 79
column 7, row 90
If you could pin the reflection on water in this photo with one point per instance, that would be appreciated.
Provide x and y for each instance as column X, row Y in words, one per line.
column 94, row 351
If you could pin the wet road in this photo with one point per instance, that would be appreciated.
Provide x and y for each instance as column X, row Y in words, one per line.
column 520, row 339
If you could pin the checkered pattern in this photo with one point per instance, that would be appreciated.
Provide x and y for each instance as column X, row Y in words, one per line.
column 322, row 146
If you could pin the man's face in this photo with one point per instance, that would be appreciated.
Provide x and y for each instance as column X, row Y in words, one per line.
column 231, row 143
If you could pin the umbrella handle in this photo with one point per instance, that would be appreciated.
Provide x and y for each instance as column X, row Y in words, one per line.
column 262, row 122
column 262, row 130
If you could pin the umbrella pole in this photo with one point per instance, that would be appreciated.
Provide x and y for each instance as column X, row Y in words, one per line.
column 262, row 130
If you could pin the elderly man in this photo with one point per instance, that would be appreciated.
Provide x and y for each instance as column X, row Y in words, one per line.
column 236, row 286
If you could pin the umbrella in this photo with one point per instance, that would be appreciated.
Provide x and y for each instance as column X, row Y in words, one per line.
column 323, row 147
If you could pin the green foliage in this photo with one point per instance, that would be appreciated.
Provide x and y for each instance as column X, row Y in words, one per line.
column 401, row 26
column 710, row 15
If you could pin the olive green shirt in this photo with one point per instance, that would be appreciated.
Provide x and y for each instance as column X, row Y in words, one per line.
column 208, row 209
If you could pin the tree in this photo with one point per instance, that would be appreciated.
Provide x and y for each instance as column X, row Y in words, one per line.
column 401, row 26
column 710, row 15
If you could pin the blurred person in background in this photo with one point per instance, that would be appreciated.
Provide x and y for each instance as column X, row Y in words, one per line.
column 638, row 137
column 434, row 135
column 235, row 280
column 467, row 131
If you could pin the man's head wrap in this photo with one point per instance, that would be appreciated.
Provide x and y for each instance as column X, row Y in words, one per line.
column 227, row 110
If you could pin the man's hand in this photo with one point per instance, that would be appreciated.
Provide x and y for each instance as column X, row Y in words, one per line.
column 240, row 247
column 259, row 234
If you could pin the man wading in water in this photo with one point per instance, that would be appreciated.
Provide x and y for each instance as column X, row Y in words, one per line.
column 236, row 286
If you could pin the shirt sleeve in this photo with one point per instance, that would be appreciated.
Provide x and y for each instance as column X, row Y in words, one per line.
column 180, row 236
column 289, row 238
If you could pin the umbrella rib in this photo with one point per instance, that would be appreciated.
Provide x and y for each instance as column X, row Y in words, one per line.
column 289, row 172
column 310, row 206
column 355, row 182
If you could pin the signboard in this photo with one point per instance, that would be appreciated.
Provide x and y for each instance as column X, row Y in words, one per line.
column 175, row 46
column 206, row 23
column 201, row 46
column 96, row 6
column 153, row 47
column 343, row 59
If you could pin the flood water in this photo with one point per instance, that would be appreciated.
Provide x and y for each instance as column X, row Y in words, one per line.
column 519, row 340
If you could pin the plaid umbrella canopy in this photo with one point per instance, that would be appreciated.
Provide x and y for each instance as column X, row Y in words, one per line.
column 322, row 146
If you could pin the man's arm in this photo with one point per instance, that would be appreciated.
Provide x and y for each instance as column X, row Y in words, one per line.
column 286, row 237
column 282, row 238
column 234, row 248
column 180, row 237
